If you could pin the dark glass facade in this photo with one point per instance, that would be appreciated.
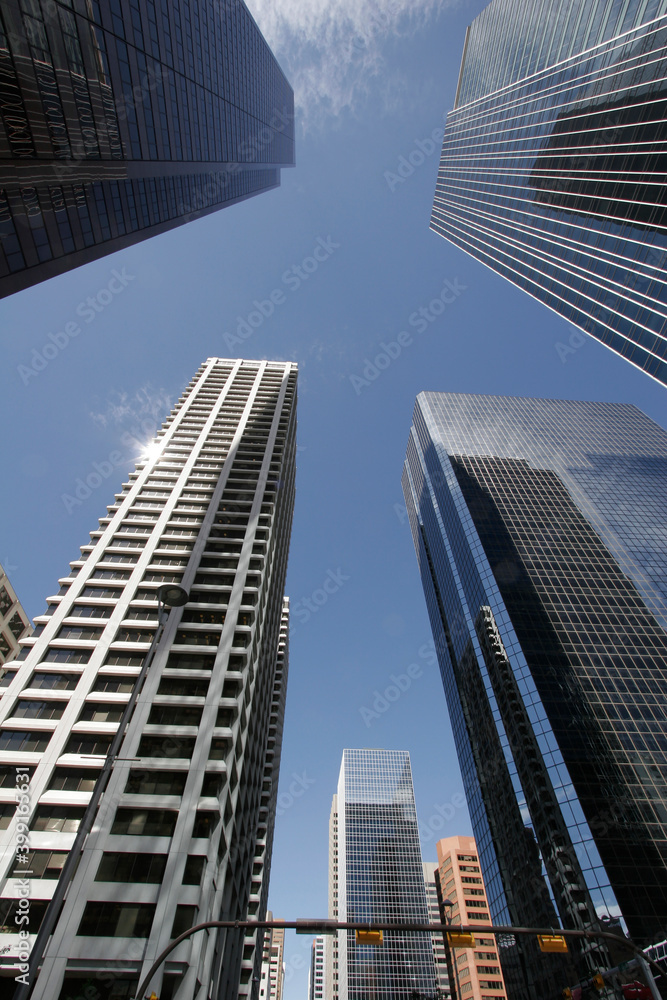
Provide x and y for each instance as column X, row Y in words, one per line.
column 120, row 119
column 379, row 876
column 541, row 533
column 554, row 163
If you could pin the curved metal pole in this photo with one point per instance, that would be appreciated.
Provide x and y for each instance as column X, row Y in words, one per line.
column 329, row 926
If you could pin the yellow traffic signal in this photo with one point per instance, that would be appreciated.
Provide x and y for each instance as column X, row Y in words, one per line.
column 369, row 937
column 461, row 940
column 598, row 982
column 552, row 942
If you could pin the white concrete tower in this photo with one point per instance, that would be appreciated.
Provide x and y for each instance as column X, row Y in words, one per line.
column 184, row 829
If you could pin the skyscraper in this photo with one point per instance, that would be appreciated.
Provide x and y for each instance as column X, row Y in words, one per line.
column 554, row 163
column 272, row 976
column 14, row 622
column 184, row 830
column 123, row 120
column 377, row 875
column 478, row 973
column 316, row 972
column 541, row 534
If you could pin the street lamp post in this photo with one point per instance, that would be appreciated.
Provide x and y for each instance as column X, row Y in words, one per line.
column 446, row 915
column 168, row 596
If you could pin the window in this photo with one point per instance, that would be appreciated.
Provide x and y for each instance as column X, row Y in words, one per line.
column 225, row 717
column 110, row 574
column 156, row 782
column 101, row 712
column 113, row 592
column 190, row 661
column 183, row 920
column 44, row 864
column 88, row 743
column 56, row 655
column 125, row 634
column 190, row 637
column 79, row 632
column 209, row 597
column 131, row 920
column 74, row 779
column 57, row 819
column 9, row 775
column 121, row 867
column 145, row 822
column 205, row 823
column 197, row 687
column 39, row 709
column 24, row 740
column 17, row 626
column 124, row 660
column 90, row 611
column 219, row 749
column 212, row 785
column 175, row 715
column 194, row 867
column 9, row 909
column 54, row 682
column 112, row 683
column 5, row 601
column 167, row 746
column 204, row 617
column 7, row 811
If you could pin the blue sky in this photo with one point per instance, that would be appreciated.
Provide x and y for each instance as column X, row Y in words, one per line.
column 372, row 85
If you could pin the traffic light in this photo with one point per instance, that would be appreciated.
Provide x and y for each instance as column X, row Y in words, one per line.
column 368, row 937
column 598, row 982
column 552, row 942
column 461, row 940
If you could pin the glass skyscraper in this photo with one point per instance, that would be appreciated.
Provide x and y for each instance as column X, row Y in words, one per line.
column 184, row 830
column 376, row 873
column 541, row 533
column 554, row 163
column 120, row 119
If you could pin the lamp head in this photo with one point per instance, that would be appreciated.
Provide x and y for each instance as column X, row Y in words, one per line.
column 172, row 595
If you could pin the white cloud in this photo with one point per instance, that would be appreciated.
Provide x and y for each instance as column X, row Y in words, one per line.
column 140, row 413
column 331, row 50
